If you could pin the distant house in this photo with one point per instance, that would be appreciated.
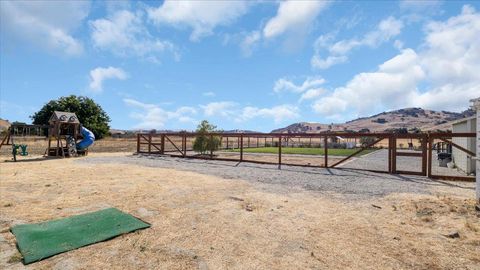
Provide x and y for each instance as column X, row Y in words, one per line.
column 461, row 159
column 116, row 133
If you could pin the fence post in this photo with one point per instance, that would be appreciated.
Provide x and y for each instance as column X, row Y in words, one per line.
column 325, row 147
column 138, row 143
column 241, row 147
column 184, row 144
column 424, row 154
column 149, row 143
column 162, row 146
column 390, row 151
column 280, row 152
column 394, row 153
column 430, row 144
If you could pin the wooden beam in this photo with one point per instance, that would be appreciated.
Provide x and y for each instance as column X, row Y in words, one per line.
column 409, row 154
column 174, row 145
column 325, row 147
column 358, row 151
column 459, row 147
column 280, row 152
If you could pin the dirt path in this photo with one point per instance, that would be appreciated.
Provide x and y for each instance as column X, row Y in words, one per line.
column 200, row 221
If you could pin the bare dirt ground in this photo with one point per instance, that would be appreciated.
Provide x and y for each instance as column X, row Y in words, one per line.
column 203, row 220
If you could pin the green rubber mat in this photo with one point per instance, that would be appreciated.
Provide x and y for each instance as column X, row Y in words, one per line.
column 42, row 240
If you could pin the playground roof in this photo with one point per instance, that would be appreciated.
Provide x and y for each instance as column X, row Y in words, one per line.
column 63, row 117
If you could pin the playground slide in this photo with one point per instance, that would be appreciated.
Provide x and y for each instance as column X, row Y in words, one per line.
column 88, row 139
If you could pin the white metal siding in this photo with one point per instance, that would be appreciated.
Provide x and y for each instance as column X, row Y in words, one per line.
column 460, row 158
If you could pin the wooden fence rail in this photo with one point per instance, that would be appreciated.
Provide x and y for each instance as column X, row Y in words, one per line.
column 176, row 145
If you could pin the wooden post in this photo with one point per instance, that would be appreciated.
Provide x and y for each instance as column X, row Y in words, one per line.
column 184, row 144
column 162, row 146
column 325, row 147
column 138, row 143
column 149, row 143
column 394, row 153
column 241, row 147
column 227, row 143
column 390, row 145
column 257, row 142
column 424, row 154
column 430, row 144
column 280, row 152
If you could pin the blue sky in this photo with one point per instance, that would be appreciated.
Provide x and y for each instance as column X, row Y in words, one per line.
column 241, row 65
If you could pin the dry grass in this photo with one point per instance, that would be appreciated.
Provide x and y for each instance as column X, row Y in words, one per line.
column 38, row 146
column 200, row 221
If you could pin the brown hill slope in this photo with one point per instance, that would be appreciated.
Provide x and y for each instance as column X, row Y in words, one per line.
column 4, row 125
column 409, row 118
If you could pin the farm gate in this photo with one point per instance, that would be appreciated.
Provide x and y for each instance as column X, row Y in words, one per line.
column 410, row 154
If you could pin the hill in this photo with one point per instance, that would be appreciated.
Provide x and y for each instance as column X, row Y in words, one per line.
column 408, row 118
column 4, row 124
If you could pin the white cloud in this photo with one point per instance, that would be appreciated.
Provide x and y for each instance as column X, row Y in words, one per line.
column 249, row 42
column 446, row 67
column 99, row 74
column 232, row 111
column 312, row 93
column 221, row 108
column 48, row 24
column 152, row 116
column 285, row 85
column 279, row 113
column 338, row 51
column 293, row 16
column 124, row 34
column 367, row 92
column 201, row 16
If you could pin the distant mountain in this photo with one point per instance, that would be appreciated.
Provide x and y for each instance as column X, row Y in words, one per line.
column 408, row 118
column 240, row 131
column 4, row 124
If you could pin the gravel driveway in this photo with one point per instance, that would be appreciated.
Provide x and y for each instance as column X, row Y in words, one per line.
column 378, row 160
column 353, row 184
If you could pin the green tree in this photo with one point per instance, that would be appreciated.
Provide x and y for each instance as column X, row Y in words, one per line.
column 89, row 113
column 203, row 141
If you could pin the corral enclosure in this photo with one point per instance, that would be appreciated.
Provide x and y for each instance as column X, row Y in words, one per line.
column 415, row 154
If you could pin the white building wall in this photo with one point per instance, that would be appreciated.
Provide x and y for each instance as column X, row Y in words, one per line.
column 463, row 161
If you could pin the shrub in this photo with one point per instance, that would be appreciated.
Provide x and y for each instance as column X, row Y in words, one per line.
column 203, row 141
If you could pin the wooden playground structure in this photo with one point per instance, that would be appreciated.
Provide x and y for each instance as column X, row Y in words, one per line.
column 62, row 132
column 180, row 144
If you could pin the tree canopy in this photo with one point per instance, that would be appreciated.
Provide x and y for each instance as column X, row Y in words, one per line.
column 204, row 142
column 89, row 113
